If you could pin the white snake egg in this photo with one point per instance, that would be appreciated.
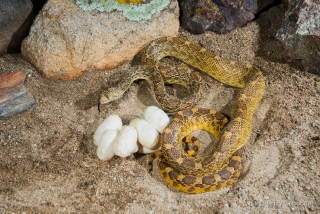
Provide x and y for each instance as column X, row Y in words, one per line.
column 126, row 142
column 112, row 122
column 156, row 117
column 148, row 136
column 144, row 150
column 105, row 150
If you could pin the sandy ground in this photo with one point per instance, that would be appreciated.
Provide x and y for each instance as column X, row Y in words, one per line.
column 49, row 163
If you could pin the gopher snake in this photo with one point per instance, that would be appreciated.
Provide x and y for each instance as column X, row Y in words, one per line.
column 220, row 166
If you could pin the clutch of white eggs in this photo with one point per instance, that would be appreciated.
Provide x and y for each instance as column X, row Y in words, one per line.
column 141, row 135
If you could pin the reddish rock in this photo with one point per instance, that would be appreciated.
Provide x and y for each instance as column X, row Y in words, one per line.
column 14, row 97
column 11, row 82
column 66, row 41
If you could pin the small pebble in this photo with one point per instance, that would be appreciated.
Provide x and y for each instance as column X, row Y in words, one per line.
column 290, row 179
column 266, row 197
column 244, row 195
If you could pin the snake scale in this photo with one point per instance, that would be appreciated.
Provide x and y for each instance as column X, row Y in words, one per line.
column 221, row 165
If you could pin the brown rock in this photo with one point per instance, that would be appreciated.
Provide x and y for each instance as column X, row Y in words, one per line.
column 300, row 33
column 198, row 16
column 66, row 41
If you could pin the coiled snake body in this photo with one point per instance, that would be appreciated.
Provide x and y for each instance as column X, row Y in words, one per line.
column 220, row 166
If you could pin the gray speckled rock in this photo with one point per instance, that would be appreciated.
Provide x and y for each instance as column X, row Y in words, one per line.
column 14, row 97
column 300, row 33
column 219, row 16
column 66, row 41
column 15, row 20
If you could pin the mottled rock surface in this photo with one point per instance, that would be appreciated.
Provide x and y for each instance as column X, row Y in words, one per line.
column 300, row 33
column 66, row 41
column 14, row 97
column 15, row 20
column 219, row 16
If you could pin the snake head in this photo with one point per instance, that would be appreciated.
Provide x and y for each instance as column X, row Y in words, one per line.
column 110, row 95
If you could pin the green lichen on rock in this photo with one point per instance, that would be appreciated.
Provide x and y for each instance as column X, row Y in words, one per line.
column 131, row 11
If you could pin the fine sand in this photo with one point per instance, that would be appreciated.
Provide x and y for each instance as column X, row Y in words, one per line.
column 49, row 163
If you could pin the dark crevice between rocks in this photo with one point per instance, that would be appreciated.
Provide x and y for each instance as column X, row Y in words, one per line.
column 266, row 8
column 37, row 5
column 17, row 38
column 15, row 43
